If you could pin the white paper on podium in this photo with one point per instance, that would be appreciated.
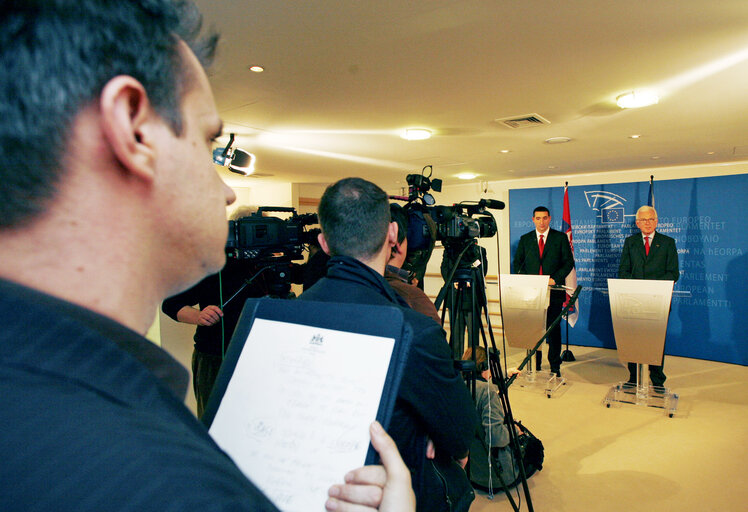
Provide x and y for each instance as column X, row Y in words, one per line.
column 296, row 413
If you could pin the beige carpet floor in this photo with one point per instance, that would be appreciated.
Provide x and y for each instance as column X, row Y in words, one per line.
column 635, row 458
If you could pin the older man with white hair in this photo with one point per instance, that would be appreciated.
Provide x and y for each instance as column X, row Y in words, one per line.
column 649, row 255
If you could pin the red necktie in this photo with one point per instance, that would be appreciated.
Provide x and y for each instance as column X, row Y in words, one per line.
column 541, row 246
column 646, row 245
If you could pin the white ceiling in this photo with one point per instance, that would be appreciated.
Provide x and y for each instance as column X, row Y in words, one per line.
column 342, row 78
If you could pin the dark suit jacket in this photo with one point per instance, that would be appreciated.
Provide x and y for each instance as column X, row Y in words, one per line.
column 557, row 257
column 661, row 263
column 433, row 401
column 91, row 420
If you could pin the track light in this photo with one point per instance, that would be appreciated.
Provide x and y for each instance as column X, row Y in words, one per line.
column 237, row 160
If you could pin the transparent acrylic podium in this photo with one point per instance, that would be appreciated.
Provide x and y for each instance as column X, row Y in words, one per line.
column 524, row 305
column 640, row 309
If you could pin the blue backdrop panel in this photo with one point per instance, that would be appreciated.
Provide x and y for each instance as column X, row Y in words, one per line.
column 709, row 318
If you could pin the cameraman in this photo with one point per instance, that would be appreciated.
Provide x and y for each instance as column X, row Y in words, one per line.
column 398, row 278
column 215, row 323
column 433, row 402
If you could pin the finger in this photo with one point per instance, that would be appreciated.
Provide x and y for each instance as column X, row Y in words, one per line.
column 430, row 450
column 207, row 319
column 366, row 495
column 215, row 310
column 388, row 453
column 367, row 475
column 336, row 505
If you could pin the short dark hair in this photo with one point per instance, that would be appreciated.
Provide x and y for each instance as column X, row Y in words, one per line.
column 56, row 57
column 481, row 357
column 399, row 216
column 354, row 215
column 541, row 209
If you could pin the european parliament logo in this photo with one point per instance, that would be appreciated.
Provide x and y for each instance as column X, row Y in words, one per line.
column 609, row 205
column 612, row 216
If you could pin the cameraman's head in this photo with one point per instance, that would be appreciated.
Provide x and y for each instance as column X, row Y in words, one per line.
column 355, row 219
column 481, row 361
column 399, row 251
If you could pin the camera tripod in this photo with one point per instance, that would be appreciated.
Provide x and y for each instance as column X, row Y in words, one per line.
column 464, row 297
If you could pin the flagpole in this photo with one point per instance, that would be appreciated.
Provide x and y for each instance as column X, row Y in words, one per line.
column 567, row 354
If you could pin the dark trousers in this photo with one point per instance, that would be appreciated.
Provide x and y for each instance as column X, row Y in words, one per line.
column 554, row 337
column 204, row 372
column 656, row 375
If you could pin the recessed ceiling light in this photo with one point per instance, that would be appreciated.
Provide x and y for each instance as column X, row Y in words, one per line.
column 416, row 134
column 504, row 151
column 256, row 69
column 467, row 176
column 637, row 99
column 710, row 152
column 634, row 136
column 557, row 140
column 552, row 167
column 655, row 158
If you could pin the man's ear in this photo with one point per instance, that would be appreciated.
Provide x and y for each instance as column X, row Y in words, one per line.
column 323, row 243
column 392, row 234
column 127, row 122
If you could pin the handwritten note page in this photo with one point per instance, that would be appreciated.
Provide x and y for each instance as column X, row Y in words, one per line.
column 295, row 416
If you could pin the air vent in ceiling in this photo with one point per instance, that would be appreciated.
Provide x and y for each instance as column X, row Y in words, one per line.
column 524, row 121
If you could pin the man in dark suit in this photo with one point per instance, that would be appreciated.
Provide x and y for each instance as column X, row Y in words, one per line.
column 546, row 251
column 649, row 255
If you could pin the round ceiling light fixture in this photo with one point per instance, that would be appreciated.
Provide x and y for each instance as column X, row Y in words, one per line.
column 637, row 99
column 558, row 140
column 416, row 134
column 466, row 176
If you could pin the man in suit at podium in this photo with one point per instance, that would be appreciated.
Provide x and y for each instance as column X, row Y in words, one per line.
column 649, row 255
column 545, row 251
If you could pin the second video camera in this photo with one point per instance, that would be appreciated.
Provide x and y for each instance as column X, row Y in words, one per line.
column 260, row 238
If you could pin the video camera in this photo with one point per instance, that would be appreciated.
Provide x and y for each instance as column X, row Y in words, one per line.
column 455, row 226
column 456, row 222
column 269, row 239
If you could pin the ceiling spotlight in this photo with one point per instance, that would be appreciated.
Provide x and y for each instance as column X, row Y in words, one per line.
column 637, row 99
column 256, row 69
column 634, row 136
column 236, row 159
column 467, row 176
column 558, row 140
column 416, row 134
column 242, row 162
column 504, row 151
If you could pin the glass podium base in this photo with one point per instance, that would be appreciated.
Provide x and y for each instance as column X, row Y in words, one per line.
column 650, row 396
column 547, row 381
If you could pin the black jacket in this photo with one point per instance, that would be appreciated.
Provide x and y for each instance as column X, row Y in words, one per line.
column 557, row 260
column 214, row 290
column 433, row 401
column 92, row 419
column 661, row 263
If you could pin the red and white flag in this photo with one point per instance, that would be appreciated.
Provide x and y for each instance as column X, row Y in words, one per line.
column 571, row 279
